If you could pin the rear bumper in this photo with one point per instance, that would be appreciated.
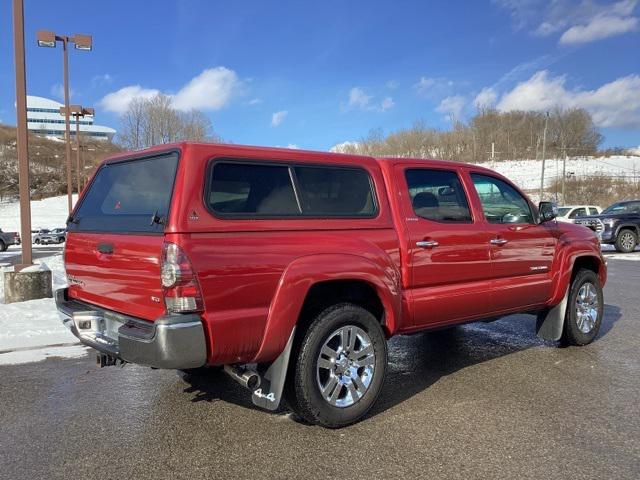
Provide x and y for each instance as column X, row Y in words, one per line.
column 172, row 341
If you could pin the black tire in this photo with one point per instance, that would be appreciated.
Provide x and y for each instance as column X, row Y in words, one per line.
column 37, row 241
column 303, row 390
column 3, row 246
column 572, row 333
column 626, row 241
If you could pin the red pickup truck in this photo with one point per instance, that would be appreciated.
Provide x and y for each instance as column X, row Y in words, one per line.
column 292, row 269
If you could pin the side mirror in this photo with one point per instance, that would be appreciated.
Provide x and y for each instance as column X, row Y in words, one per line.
column 548, row 211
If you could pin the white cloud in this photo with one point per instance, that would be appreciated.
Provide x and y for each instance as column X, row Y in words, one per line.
column 452, row 106
column 100, row 80
column 358, row 99
column 213, row 89
column 57, row 91
column 486, row 98
column 254, row 101
column 581, row 21
column 344, row 147
column 386, row 104
column 599, row 28
column 278, row 117
column 392, row 85
column 293, row 146
column 119, row 101
column 434, row 88
column 424, row 85
column 614, row 104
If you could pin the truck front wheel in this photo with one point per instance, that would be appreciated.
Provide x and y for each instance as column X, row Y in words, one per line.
column 585, row 309
column 339, row 366
column 626, row 241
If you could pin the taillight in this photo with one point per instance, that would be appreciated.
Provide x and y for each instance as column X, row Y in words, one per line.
column 179, row 282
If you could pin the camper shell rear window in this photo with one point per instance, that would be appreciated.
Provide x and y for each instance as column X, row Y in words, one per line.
column 131, row 196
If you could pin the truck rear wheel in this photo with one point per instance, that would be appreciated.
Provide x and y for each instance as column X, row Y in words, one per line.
column 338, row 367
column 626, row 241
column 3, row 246
column 585, row 309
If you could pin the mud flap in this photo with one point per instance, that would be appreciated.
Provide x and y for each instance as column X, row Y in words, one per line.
column 549, row 325
column 269, row 394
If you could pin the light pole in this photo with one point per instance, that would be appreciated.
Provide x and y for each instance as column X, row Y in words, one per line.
column 81, row 42
column 21, row 127
column 544, row 154
column 77, row 111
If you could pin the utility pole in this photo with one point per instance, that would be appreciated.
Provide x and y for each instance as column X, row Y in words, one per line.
column 544, row 154
column 22, row 136
column 564, row 174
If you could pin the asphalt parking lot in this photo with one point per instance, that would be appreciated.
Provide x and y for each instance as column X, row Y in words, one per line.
column 479, row 401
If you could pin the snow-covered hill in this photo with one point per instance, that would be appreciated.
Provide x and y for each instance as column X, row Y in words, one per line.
column 47, row 213
column 526, row 173
column 52, row 212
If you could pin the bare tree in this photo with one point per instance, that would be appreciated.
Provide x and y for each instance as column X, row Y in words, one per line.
column 154, row 121
column 515, row 135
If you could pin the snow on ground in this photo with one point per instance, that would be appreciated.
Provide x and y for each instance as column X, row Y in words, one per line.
column 526, row 173
column 49, row 213
column 39, row 354
column 32, row 331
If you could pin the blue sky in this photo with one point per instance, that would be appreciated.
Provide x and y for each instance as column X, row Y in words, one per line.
column 314, row 74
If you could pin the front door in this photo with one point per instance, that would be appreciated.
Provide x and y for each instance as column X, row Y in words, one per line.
column 522, row 249
column 448, row 248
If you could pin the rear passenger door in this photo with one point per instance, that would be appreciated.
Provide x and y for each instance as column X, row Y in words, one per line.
column 448, row 249
column 522, row 249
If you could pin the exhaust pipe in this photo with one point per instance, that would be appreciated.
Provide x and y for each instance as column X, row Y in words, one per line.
column 247, row 378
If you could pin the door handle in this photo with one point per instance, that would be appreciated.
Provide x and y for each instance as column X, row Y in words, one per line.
column 498, row 241
column 105, row 248
column 427, row 244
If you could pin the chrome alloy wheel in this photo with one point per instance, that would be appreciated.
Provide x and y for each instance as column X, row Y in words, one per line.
column 627, row 240
column 587, row 307
column 345, row 366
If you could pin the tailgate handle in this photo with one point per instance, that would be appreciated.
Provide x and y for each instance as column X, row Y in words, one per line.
column 105, row 248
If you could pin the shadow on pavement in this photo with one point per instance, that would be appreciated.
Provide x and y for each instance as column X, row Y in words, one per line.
column 415, row 361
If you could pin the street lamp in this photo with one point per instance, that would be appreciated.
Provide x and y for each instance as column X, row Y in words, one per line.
column 81, row 42
column 22, row 144
column 78, row 111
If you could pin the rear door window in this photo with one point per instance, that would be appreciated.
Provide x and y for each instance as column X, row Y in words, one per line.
column 437, row 195
column 128, row 196
column 593, row 211
column 253, row 190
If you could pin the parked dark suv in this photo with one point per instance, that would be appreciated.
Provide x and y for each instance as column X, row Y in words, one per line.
column 617, row 225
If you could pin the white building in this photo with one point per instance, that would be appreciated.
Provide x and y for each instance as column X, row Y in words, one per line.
column 43, row 118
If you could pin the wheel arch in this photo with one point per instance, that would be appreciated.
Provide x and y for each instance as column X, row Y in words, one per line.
column 628, row 226
column 375, row 285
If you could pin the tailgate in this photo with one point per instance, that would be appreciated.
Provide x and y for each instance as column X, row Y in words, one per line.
column 126, row 280
column 114, row 241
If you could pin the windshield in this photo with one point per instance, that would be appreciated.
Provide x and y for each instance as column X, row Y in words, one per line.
column 562, row 211
column 625, row 207
column 132, row 196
